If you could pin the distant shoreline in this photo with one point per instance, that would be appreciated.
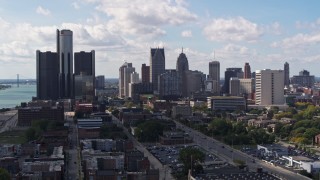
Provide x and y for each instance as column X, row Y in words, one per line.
column 2, row 87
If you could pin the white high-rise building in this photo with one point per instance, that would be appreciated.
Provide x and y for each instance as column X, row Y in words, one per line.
column 134, row 77
column 125, row 72
column 270, row 87
column 246, row 86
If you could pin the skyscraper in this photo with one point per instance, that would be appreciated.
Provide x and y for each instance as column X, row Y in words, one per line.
column 229, row 73
column 145, row 73
column 247, row 71
column 169, row 84
column 125, row 78
column 214, row 73
column 65, row 52
column 47, row 75
column 84, row 75
column 157, row 66
column 286, row 74
column 182, row 67
column 234, row 86
column 100, row 82
column 269, row 87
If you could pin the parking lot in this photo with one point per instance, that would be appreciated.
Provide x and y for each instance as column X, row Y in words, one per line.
column 169, row 155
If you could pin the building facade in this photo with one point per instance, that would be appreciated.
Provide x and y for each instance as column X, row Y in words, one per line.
column 145, row 73
column 247, row 71
column 229, row 103
column 303, row 79
column 269, row 87
column 214, row 73
column 125, row 72
column 100, row 82
column 169, row 84
column 229, row 73
column 47, row 75
column 157, row 66
column 286, row 74
column 65, row 52
column 234, row 86
column 182, row 67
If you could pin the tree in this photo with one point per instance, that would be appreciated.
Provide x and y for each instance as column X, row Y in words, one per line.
column 194, row 155
column 4, row 174
column 30, row 134
column 149, row 131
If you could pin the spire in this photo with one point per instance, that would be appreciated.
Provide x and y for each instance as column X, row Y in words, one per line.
column 182, row 50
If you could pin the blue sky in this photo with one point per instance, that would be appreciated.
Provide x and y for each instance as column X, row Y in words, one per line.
column 264, row 33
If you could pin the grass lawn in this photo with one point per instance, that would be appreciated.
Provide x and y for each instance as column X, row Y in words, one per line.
column 12, row 137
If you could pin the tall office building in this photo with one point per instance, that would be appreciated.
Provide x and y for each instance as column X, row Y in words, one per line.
column 229, row 73
column 65, row 52
column 269, row 87
column 145, row 73
column 234, row 86
column 125, row 72
column 286, row 74
column 157, row 66
column 182, row 67
column 195, row 82
column 303, row 79
column 247, row 87
column 214, row 73
column 84, row 62
column 100, row 82
column 47, row 75
column 169, row 84
column 247, row 71
column 84, row 76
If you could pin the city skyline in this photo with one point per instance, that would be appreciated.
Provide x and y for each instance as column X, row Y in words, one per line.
column 265, row 34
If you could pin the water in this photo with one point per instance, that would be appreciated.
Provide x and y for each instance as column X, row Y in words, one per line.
column 11, row 97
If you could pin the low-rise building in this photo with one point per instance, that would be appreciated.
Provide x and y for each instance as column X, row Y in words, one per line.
column 229, row 103
column 174, row 137
column 183, row 110
column 29, row 114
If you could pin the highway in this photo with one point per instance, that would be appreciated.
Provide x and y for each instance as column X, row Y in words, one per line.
column 11, row 122
column 228, row 154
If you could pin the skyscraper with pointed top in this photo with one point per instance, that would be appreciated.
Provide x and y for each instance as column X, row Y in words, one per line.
column 286, row 74
column 157, row 66
column 182, row 67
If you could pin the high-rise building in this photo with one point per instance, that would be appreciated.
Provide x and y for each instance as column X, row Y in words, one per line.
column 247, row 71
column 286, row 74
column 65, row 52
column 247, row 87
column 84, row 62
column 303, row 79
column 84, row 75
column 125, row 78
column 269, row 87
column 214, row 73
column 157, row 66
column 234, row 86
column 229, row 73
column 145, row 73
column 169, row 84
column 182, row 67
column 134, row 77
column 47, row 75
column 100, row 82
column 195, row 82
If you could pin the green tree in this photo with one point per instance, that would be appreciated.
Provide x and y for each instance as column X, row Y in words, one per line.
column 149, row 131
column 194, row 155
column 30, row 134
column 220, row 127
column 4, row 174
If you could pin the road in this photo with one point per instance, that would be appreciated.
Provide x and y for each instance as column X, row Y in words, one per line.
column 164, row 171
column 73, row 158
column 228, row 154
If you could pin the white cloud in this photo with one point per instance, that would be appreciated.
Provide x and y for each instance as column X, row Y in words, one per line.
column 232, row 29
column 298, row 41
column 75, row 5
column 140, row 17
column 308, row 25
column 43, row 11
column 186, row 33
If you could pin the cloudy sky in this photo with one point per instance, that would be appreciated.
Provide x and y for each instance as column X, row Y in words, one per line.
column 264, row 33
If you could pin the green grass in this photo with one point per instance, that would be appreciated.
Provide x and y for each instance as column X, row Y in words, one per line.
column 12, row 137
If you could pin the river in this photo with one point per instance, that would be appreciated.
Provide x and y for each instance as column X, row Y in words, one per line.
column 13, row 96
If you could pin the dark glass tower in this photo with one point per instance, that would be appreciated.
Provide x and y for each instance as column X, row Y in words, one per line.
column 247, row 71
column 84, row 62
column 47, row 75
column 286, row 74
column 157, row 66
column 229, row 73
column 65, row 52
